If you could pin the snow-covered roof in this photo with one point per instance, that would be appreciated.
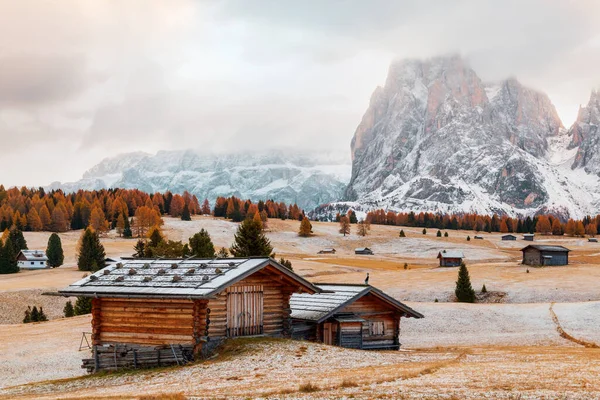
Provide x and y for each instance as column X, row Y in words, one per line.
column 542, row 247
column 334, row 297
column 362, row 249
column 34, row 255
column 451, row 254
column 173, row 278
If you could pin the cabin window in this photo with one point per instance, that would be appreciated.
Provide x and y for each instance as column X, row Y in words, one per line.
column 376, row 328
column 32, row 262
column 244, row 310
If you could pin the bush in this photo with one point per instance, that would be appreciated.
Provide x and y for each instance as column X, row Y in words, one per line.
column 405, row 266
column 436, row 301
column 402, row 234
column 69, row 311
column 424, row 231
column 439, row 233
column 83, row 305
column 308, row 388
column 483, row 289
column 445, row 234
column 468, row 238
column 34, row 315
column 286, row 263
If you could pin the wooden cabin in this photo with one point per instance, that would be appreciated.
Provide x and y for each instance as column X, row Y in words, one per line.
column 450, row 258
column 327, row 251
column 149, row 312
column 363, row 250
column 545, row 255
column 478, row 237
column 32, row 259
column 529, row 237
column 592, row 240
column 509, row 237
column 353, row 316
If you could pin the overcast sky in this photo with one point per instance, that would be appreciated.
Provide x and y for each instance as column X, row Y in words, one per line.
column 83, row 80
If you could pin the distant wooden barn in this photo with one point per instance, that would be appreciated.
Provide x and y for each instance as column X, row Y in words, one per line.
column 478, row 237
column 327, row 251
column 353, row 316
column 363, row 250
column 545, row 255
column 160, row 312
column 32, row 259
column 509, row 237
column 450, row 258
column 529, row 237
column 592, row 240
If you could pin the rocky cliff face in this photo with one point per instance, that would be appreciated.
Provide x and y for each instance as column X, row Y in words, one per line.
column 308, row 179
column 436, row 137
column 585, row 136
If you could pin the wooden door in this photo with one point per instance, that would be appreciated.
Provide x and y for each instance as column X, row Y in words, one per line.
column 245, row 310
column 327, row 333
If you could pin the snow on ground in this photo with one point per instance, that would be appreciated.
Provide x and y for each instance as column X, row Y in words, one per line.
column 580, row 319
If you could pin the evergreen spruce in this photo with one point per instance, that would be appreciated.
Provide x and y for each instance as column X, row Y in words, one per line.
column 439, row 233
column 155, row 237
column 201, row 245
column 402, row 234
column 127, row 233
column 249, row 241
column 27, row 318
column 35, row 314
column 468, row 238
column 424, row 231
column 445, row 234
column 54, row 251
column 286, row 263
column 464, row 291
column 140, row 248
column 42, row 316
column 8, row 258
column 483, row 289
column 69, row 311
column 83, row 305
column 185, row 213
column 91, row 252
column 18, row 240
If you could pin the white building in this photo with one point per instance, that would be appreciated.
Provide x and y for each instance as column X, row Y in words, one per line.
column 32, row 259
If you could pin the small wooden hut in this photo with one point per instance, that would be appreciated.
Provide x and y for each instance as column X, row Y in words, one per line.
column 353, row 316
column 535, row 254
column 450, row 258
column 149, row 312
column 509, row 237
column 363, row 250
column 529, row 237
column 327, row 251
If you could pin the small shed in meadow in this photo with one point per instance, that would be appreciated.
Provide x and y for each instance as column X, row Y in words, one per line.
column 32, row 259
column 509, row 237
column 327, row 251
column 353, row 316
column 165, row 311
column 363, row 250
column 529, row 237
column 478, row 237
column 450, row 258
column 592, row 240
column 545, row 255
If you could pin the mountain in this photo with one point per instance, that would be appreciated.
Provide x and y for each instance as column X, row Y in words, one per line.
column 308, row 179
column 436, row 137
column 585, row 136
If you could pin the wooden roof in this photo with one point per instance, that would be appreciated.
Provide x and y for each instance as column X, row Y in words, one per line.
column 450, row 254
column 334, row 297
column 542, row 247
column 176, row 278
column 33, row 255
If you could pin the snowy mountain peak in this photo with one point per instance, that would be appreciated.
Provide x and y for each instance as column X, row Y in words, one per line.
column 437, row 138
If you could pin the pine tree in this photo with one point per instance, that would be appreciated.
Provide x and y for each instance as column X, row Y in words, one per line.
column 8, row 258
column 468, row 238
column 201, row 245
column 402, row 234
column 483, row 289
column 249, row 240
column 424, row 231
column 35, row 314
column 127, row 233
column 83, row 305
column 54, row 251
column 305, row 228
column 286, row 263
column 69, row 311
column 42, row 316
column 27, row 318
column 18, row 240
column 464, row 291
column 155, row 237
column 439, row 233
column 91, row 255
column 445, row 234
column 140, row 249
column 352, row 217
column 185, row 213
